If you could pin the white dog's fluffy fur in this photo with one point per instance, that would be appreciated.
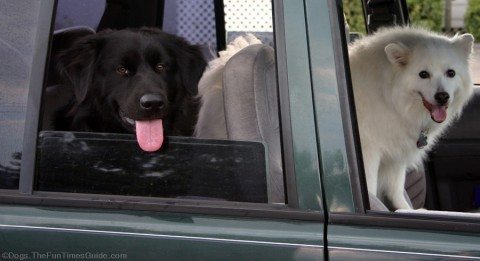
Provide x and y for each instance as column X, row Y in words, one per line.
column 211, row 117
column 388, row 94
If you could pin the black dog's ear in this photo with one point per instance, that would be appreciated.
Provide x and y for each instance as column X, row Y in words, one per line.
column 76, row 64
column 191, row 66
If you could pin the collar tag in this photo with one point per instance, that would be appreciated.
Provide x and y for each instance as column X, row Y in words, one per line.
column 422, row 139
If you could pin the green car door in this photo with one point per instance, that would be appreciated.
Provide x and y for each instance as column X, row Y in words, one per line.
column 56, row 223
column 354, row 230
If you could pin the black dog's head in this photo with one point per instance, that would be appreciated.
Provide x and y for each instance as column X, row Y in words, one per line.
column 135, row 79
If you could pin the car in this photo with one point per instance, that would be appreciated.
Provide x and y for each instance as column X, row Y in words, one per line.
column 288, row 182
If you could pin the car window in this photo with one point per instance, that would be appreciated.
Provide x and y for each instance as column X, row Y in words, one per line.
column 354, row 19
column 445, row 181
column 235, row 156
column 72, row 13
column 18, row 30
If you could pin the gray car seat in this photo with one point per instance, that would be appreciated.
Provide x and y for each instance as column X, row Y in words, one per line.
column 251, row 107
column 416, row 187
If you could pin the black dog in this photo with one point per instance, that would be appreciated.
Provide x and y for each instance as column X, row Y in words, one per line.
column 141, row 81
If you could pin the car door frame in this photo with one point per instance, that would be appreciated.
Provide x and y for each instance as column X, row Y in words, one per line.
column 36, row 221
column 357, row 232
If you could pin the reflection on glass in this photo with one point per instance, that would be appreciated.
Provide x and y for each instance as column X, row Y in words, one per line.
column 18, row 27
column 113, row 164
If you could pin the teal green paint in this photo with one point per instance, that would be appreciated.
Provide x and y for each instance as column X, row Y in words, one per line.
column 301, row 108
column 400, row 240
column 193, row 225
column 144, row 235
column 148, row 248
column 328, row 117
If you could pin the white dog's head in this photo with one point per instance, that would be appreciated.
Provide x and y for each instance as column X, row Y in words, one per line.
column 431, row 74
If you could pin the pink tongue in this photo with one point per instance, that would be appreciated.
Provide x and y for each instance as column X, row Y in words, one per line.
column 439, row 113
column 149, row 134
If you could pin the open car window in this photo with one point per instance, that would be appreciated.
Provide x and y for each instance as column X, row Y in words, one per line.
column 104, row 151
column 446, row 181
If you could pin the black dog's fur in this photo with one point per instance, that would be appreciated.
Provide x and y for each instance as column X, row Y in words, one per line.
column 92, row 67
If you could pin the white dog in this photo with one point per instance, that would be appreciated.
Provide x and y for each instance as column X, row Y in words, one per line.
column 211, row 117
column 409, row 84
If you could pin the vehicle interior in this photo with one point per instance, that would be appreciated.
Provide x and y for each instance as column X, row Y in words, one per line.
column 220, row 172
column 449, row 179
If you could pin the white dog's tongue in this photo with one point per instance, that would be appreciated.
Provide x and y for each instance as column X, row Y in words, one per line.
column 439, row 113
column 149, row 134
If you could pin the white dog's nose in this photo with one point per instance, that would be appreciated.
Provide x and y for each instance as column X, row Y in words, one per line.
column 442, row 98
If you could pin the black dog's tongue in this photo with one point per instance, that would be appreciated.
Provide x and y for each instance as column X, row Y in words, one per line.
column 149, row 134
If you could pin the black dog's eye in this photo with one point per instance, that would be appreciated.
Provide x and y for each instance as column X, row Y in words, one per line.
column 123, row 71
column 424, row 75
column 159, row 67
column 450, row 73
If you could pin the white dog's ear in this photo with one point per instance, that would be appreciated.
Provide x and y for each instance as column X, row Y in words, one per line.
column 465, row 42
column 397, row 53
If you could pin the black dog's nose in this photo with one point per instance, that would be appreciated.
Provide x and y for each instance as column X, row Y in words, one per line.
column 151, row 101
column 441, row 98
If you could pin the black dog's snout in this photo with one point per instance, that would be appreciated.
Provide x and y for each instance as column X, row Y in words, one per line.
column 151, row 102
column 441, row 98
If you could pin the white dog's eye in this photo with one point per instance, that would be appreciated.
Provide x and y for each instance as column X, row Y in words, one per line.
column 424, row 75
column 450, row 73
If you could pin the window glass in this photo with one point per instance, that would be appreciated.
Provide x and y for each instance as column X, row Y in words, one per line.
column 18, row 28
column 120, row 106
column 72, row 13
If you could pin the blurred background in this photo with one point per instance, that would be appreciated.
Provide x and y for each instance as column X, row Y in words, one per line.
column 446, row 16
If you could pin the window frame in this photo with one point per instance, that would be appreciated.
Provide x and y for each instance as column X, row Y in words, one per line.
column 363, row 216
column 35, row 89
column 331, row 60
column 25, row 195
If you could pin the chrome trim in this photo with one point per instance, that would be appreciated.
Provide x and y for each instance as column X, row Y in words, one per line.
column 162, row 236
column 401, row 252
